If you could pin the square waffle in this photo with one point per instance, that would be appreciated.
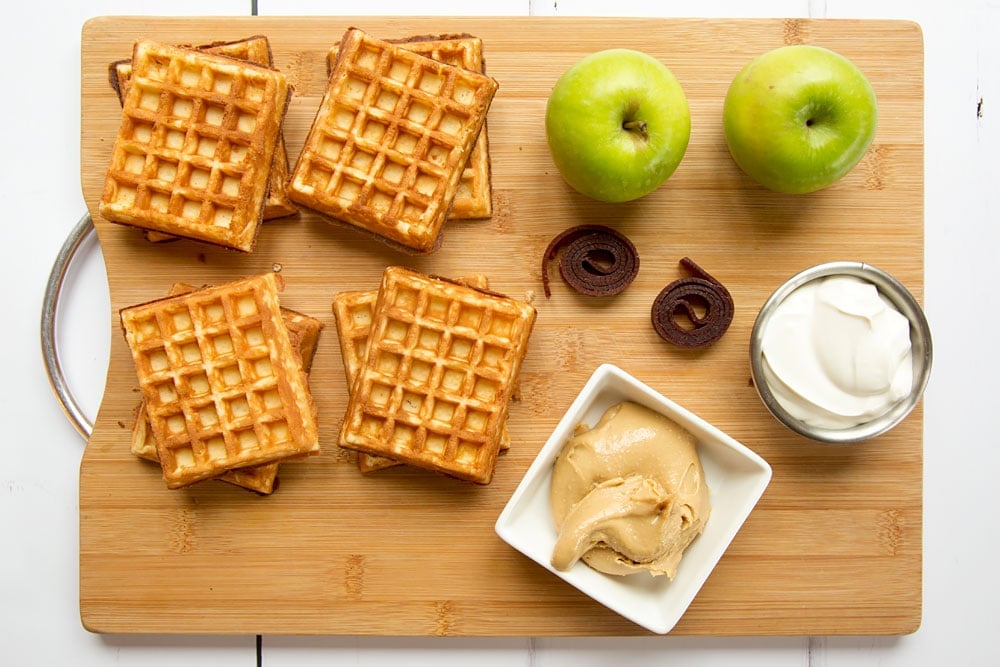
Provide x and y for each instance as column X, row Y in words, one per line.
column 440, row 366
column 304, row 332
column 390, row 141
column 256, row 50
column 195, row 146
column 474, row 197
column 260, row 479
column 223, row 384
column 353, row 315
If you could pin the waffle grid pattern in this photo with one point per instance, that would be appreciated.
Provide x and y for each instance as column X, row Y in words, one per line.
column 439, row 370
column 473, row 196
column 304, row 334
column 222, row 384
column 256, row 50
column 353, row 312
column 195, row 146
column 260, row 479
column 391, row 140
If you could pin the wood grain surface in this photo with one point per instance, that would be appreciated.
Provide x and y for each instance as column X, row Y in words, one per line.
column 834, row 545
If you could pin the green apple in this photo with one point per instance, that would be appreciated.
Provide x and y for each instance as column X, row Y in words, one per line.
column 799, row 118
column 617, row 124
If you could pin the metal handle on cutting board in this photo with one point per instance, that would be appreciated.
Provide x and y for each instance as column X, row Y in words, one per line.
column 50, row 304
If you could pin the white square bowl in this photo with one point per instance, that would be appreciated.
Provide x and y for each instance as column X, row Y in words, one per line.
column 736, row 477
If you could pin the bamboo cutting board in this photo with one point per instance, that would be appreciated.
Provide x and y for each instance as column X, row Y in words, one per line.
column 834, row 545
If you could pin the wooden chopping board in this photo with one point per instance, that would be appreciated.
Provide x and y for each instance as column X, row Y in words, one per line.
column 834, row 546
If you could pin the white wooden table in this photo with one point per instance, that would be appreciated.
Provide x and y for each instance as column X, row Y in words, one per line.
column 39, row 613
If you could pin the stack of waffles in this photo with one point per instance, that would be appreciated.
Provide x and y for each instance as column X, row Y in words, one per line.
column 353, row 315
column 474, row 197
column 223, row 375
column 391, row 141
column 194, row 152
column 256, row 50
column 434, row 363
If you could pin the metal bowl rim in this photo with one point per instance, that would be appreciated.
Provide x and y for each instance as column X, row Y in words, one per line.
column 920, row 337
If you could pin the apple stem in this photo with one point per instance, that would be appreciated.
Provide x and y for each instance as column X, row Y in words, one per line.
column 635, row 125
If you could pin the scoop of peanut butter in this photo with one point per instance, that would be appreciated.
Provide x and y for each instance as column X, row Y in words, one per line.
column 629, row 494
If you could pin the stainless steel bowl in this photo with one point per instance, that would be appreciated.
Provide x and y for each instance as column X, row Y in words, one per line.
column 920, row 340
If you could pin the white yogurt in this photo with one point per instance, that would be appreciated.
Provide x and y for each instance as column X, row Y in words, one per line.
column 837, row 353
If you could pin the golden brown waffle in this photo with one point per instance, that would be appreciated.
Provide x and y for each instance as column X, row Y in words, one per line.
column 224, row 386
column 195, row 146
column 304, row 332
column 353, row 315
column 440, row 365
column 256, row 50
column 260, row 479
column 474, row 197
column 390, row 141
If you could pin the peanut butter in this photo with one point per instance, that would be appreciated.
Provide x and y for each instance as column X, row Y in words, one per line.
column 629, row 494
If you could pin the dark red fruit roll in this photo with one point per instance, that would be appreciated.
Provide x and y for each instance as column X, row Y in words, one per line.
column 700, row 299
column 596, row 260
